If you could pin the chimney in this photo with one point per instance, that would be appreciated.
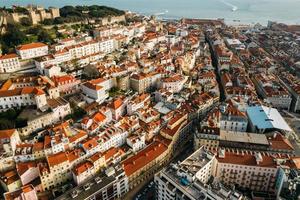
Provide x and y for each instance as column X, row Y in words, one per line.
column 258, row 158
column 221, row 153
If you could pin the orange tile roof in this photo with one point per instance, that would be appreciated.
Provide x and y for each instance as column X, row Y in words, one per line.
column 80, row 134
column 23, row 167
column 280, row 142
column 296, row 161
column 247, row 159
column 31, row 46
column 38, row 146
column 99, row 117
column 97, row 81
column 74, row 154
column 6, row 85
column 57, row 159
column 10, row 177
column 8, row 56
column 96, row 156
column 144, row 157
column 116, row 104
column 110, row 153
column 89, row 143
column 27, row 188
column 81, row 168
column 63, row 79
column 4, row 134
column 20, row 91
column 92, row 86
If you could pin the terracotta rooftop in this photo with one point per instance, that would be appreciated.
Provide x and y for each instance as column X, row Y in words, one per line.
column 247, row 159
column 57, row 159
column 144, row 157
column 5, row 134
column 8, row 56
column 31, row 46
column 81, row 168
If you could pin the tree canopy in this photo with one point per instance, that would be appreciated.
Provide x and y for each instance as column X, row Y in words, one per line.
column 89, row 11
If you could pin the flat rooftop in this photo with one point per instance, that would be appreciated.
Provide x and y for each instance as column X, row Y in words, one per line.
column 243, row 137
column 264, row 117
column 97, row 183
column 196, row 161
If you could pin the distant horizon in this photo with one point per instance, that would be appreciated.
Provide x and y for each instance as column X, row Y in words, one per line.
column 233, row 11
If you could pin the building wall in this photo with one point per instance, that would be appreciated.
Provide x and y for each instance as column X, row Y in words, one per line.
column 57, row 175
column 16, row 101
column 9, row 65
column 33, row 53
column 253, row 177
column 231, row 125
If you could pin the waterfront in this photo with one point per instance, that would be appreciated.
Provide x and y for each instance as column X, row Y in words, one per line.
column 247, row 11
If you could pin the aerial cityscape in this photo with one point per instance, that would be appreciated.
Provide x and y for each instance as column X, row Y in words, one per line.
column 103, row 100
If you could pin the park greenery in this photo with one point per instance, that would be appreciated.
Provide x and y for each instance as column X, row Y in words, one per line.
column 24, row 32
column 16, row 35
column 9, row 119
column 76, row 114
column 70, row 14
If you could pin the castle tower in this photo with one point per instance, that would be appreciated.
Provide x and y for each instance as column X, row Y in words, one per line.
column 54, row 12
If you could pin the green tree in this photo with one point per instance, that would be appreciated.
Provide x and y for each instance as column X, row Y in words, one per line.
column 44, row 36
column 25, row 21
column 13, row 37
column 10, row 114
column 59, row 20
column 79, row 113
column 21, row 122
column 90, row 72
column 6, row 124
column 48, row 21
column 35, row 30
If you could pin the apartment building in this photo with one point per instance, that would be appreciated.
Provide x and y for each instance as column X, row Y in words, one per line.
column 112, row 137
column 55, row 171
column 9, row 140
column 32, row 50
column 254, row 171
column 105, row 45
column 146, row 162
column 270, row 88
column 111, row 184
column 9, row 63
column 108, row 31
column 83, row 171
column 137, row 102
column 189, row 180
column 214, row 138
column 118, row 107
column 66, row 84
column 174, row 83
column 232, row 119
column 27, row 192
column 19, row 97
column 137, row 141
column 94, row 122
column 144, row 82
column 97, row 89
